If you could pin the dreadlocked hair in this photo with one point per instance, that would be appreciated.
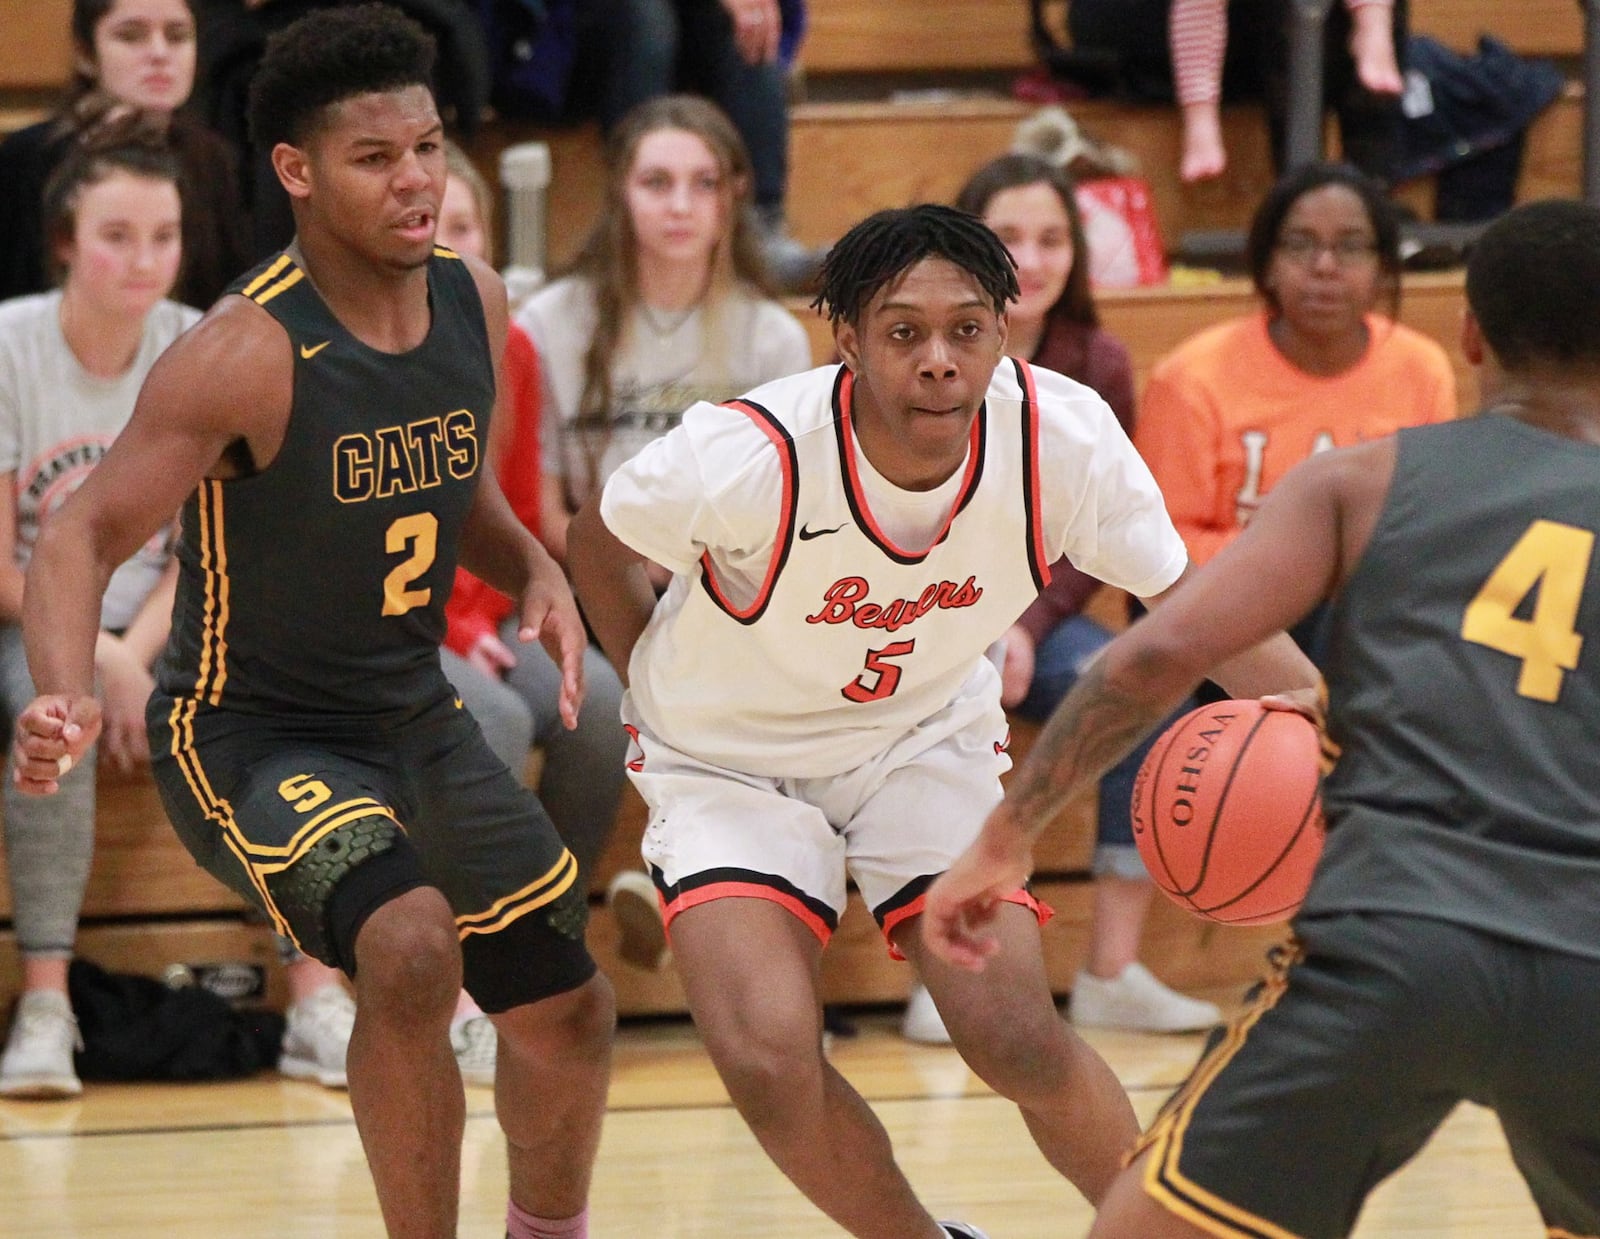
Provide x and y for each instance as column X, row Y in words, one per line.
column 883, row 246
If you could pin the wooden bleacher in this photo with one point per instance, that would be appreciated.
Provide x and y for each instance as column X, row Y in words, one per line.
column 915, row 36
column 148, row 905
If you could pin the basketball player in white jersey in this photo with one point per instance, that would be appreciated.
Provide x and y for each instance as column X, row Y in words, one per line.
column 810, row 696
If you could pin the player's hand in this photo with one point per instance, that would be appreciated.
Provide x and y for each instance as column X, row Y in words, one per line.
column 962, row 905
column 757, row 28
column 1016, row 676
column 549, row 615
column 1310, row 703
column 125, row 688
column 491, row 656
column 52, row 735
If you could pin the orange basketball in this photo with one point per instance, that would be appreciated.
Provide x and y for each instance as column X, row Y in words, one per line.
column 1226, row 812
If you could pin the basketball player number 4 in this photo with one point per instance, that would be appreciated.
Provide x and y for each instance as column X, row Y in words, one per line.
column 419, row 535
column 1554, row 559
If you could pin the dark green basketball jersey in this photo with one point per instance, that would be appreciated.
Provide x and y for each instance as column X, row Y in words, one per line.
column 1464, row 691
column 317, row 585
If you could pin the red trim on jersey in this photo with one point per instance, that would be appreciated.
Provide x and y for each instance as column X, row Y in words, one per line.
column 785, row 536
column 858, row 496
column 1042, row 912
column 746, row 890
column 637, row 763
column 1030, row 442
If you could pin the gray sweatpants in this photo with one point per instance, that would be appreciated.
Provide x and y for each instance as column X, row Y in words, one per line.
column 49, row 840
column 583, row 772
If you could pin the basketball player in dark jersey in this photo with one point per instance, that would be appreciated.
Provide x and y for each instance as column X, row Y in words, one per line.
column 1449, row 947
column 326, row 422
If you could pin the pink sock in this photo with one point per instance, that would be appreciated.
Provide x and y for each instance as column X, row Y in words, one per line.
column 521, row 1224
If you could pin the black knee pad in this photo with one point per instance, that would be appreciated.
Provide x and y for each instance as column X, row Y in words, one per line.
column 327, row 895
column 536, row 956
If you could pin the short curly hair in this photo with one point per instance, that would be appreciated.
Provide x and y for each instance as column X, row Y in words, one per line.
column 885, row 245
column 331, row 55
column 1533, row 284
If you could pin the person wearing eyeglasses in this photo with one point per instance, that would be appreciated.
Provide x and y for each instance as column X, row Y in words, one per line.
column 1322, row 363
column 1318, row 366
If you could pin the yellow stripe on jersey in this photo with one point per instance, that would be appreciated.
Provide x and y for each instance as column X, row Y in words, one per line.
column 267, row 276
column 544, row 889
column 439, row 251
column 224, row 588
column 214, row 615
column 213, row 806
column 288, row 281
column 296, row 851
column 1164, row 1182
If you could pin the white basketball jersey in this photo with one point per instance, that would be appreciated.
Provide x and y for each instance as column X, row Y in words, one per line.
column 797, row 638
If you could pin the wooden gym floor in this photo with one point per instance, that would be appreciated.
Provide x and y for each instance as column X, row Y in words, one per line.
column 277, row 1159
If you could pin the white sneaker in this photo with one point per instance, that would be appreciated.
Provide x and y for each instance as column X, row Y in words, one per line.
column 474, row 1041
column 317, row 1036
column 37, row 1062
column 1135, row 1000
column 922, row 1021
column 642, row 939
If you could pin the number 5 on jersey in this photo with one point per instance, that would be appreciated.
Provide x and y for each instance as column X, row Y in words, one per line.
column 1553, row 559
column 881, row 677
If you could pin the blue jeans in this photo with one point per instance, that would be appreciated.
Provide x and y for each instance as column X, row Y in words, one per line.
column 647, row 48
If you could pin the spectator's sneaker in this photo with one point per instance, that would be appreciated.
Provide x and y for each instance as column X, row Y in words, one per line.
column 642, row 934
column 474, row 1042
column 922, row 1021
column 960, row 1230
column 317, row 1035
column 1136, row 1001
column 37, row 1062
column 794, row 265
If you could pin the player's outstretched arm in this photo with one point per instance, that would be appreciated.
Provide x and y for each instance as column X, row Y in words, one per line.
column 225, row 382
column 613, row 584
column 1299, row 542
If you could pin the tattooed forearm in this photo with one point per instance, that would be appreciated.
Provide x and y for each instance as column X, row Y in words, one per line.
column 1091, row 730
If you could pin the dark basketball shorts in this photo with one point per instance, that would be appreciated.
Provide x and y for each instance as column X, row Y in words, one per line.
column 318, row 822
column 1365, row 1036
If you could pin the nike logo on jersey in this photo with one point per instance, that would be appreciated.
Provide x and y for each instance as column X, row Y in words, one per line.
column 807, row 534
column 308, row 351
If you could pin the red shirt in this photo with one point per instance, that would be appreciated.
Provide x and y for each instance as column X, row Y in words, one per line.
column 476, row 609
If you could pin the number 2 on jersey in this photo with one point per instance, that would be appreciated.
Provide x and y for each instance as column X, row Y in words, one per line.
column 861, row 689
column 1554, row 559
column 419, row 534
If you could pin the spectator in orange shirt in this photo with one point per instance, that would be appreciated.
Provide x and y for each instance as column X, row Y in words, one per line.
column 1234, row 408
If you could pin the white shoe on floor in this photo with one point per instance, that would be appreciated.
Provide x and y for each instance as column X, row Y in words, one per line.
column 37, row 1062
column 1136, row 1001
column 922, row 1021
column 642, row 934
column 474, row 1042
column 317, row 1036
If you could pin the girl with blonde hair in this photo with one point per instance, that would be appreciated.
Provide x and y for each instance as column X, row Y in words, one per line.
column 668, row 302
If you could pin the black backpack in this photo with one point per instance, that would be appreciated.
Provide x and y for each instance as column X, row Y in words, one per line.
column 136, row 1028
